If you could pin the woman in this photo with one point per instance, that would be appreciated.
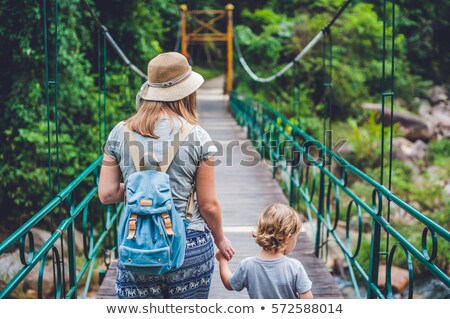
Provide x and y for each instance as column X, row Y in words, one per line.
column 165, row 102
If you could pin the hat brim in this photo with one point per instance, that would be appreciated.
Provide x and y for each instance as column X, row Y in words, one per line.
column 176, row 92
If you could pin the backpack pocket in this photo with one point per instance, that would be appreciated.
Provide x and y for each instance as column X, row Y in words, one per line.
column 148, row 193
column 154, row 261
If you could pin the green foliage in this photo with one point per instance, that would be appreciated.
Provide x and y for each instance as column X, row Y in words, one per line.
column 272, row 36
column 29, row 144
column 24, row 130
column 137, row 26
column 366, row 142
column 439, row 150
column 207, row 73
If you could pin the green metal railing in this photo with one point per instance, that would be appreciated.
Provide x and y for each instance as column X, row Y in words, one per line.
column 318, row 180
column 96, row 240
column 315, row 184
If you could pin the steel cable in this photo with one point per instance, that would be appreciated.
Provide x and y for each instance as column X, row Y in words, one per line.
column 299, row 56
column 113, row 43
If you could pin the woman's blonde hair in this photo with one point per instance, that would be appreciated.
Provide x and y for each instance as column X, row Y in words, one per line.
column 148, row 114
column 275, row 223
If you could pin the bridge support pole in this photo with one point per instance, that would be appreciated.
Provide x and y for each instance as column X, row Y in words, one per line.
column 229, row 8
column 184, row 9
column 320, row 211
column 374, row 259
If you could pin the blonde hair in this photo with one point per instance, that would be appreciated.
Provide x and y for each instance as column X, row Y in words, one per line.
column 145, row 120
column 275, row 223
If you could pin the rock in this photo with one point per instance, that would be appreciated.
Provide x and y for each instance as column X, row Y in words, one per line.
column 414, row 127
column 447, row 189
column 399, row 278
column 444, row 133
column 31, row 281
column 424, row 110
column 437, row 94
column 442, row 116
column 366, row 223
column 441, row 98
column 400, row 215
column 41, row 236
column 10, row 264
column 31, row 294
column 403, row 118
column 78, row 241
column 405, row 150
column 423, row 132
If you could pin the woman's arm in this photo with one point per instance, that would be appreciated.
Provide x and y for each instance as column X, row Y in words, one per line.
column 110, row 189
column 209, row 206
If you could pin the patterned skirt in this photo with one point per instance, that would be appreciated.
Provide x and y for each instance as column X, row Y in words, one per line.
column 191, row 280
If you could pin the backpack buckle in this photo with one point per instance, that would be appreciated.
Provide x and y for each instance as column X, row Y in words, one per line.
column 132, row 226
column 167, row 224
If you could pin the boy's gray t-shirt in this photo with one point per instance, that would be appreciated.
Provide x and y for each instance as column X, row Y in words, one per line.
column 197, row 147
column 281, row 278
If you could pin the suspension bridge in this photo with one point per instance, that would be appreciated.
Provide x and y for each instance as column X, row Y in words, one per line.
column 266, row 158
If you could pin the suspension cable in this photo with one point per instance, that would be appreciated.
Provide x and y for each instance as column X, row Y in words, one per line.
column 299, row 56
column 112, row 42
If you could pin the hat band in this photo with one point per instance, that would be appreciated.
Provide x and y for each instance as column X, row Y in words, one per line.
column 171, row 82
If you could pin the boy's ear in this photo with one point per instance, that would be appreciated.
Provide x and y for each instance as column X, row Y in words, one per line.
column 287, row 238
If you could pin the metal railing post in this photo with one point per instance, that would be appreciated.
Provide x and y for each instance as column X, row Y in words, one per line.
column 229, row 9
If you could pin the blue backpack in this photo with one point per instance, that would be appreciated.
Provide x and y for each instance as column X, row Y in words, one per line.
column 152, row 235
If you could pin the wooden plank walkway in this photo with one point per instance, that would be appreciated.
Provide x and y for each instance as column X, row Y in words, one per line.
column 244, row 191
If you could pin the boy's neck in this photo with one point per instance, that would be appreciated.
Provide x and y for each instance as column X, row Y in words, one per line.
column 269, row 255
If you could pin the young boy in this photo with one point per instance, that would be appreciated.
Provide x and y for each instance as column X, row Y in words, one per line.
column 271, row 274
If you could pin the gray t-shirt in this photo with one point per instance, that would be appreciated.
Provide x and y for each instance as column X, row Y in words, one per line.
column 197, row 147
column 281, row 278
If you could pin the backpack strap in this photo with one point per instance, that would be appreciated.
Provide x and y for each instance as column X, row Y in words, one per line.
column 139, row 164
column 178, row 140
column 180, row 137
column 132, row 226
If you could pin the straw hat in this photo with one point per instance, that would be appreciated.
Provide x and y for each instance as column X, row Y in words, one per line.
column 169, row 78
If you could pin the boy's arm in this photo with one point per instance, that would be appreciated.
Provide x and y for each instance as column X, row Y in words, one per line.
column 225, row 271
column 306, row 295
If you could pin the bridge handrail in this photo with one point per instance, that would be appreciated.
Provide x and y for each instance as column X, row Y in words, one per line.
column 259, row 118
column 57, row 200
column 385, row 191
column 91, row 245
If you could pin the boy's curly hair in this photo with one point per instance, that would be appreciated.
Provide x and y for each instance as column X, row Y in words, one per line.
column 275, row 223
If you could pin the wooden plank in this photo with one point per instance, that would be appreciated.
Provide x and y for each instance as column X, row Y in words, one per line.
column 107, row 288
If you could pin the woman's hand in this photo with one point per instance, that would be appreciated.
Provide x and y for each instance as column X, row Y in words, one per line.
column 225, row 248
